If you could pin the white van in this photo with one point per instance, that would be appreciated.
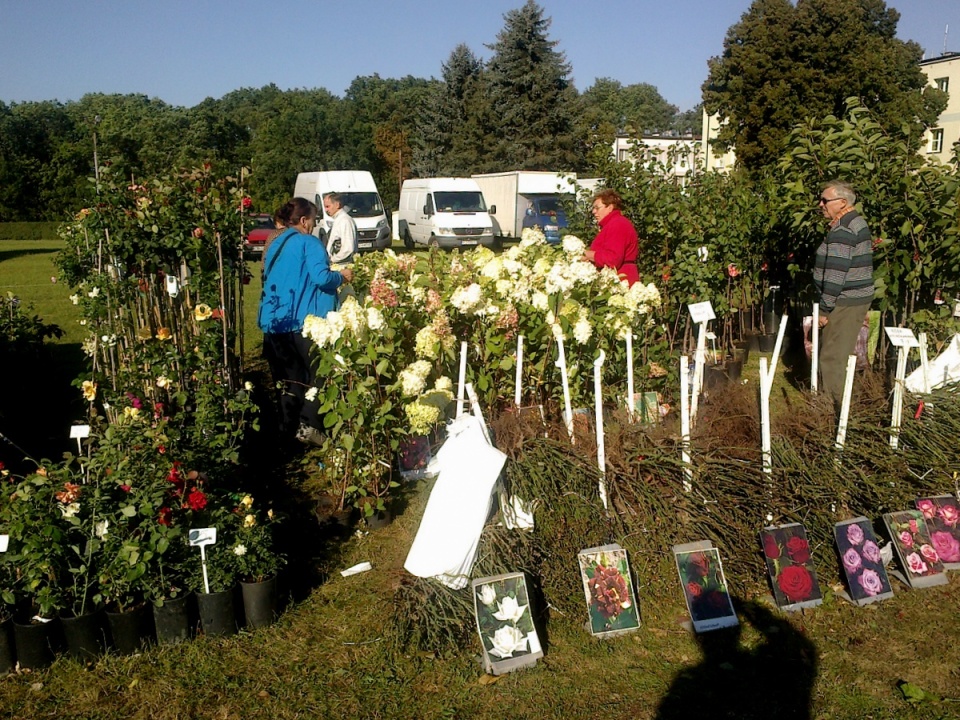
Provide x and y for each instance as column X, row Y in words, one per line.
column 359, row 194
column 444, row 212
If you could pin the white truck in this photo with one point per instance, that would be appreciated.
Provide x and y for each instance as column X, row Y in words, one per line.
column 525, row 199
column 444, row 212
column 360, row 197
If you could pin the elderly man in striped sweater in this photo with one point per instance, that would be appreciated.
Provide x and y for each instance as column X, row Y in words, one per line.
column 843, row 274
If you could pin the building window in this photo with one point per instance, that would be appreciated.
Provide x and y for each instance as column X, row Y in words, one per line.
column 936, row 140
column 624, row 155
column 943, row 84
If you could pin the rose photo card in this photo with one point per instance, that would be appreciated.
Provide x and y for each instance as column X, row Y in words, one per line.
column 608, row 588
column 860, row 558
column 942, row 514
column 704, row 586
column 505, row 623
column 911, row 539
column 790, row 567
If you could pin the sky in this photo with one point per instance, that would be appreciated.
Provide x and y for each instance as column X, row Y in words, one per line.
column 183, row 51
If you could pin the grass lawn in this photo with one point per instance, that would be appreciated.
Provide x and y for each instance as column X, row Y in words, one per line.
column 333, row 653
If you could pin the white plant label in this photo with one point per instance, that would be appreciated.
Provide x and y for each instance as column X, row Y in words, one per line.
column 956, row 308
column 173, row 285
column 4, row 542
column 201, row 537
column 902, row 337
column 701, row 312
column 79, row 431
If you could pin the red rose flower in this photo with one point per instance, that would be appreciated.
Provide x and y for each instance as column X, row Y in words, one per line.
column 798, row 549
column 196, row 500
column 166, row 515
column 700, row 563
column 216, row 314
column 796, row 583
column 770, row 547
column 246, row 203
column 161, row 449
column 694, row 589
column 125, row 488
column 732, row 270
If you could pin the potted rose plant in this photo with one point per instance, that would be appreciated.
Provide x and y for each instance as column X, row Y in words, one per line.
column 256, row 559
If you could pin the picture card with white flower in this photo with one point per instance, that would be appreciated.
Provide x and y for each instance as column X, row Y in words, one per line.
column 504, row 616
column 704, row 586
column 790, row 567
column 911, row 539
column 608, row 588
column 860, row 559
column 942, row 514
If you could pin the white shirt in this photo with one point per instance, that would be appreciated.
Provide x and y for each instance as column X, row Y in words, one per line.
column 342, row 238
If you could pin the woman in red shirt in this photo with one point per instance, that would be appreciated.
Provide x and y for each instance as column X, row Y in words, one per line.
column 616, row 244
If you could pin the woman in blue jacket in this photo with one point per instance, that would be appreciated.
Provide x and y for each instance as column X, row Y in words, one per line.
column 297, row 281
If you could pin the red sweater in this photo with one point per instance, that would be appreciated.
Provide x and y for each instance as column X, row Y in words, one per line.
column 616, row 246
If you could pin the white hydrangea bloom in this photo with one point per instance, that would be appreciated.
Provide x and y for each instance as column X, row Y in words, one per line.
column 573, row 246
column 413, row 378
column 531, row 236
column 375, row 319
column 492, row 269
column 443, row 383
column 540, row 300
column 466, row 299
column 427, row 343
column 353, row 316
column 582, row 330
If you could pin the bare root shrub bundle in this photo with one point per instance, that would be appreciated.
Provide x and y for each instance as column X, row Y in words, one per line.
column 728, row 500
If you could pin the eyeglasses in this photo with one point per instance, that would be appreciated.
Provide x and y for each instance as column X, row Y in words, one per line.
column 824, row 201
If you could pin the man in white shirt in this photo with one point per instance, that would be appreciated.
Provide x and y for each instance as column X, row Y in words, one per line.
column 342, row 238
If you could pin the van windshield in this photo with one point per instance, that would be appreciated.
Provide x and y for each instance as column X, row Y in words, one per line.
column 464, row 201
column 362, row 204
column 549, row 205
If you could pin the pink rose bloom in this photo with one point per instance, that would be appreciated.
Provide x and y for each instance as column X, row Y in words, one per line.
column 928, row 508
column 916, row 564
column 906, row 539
column 913, row 527
column 854, row 534
column 851, row 560
column 870, row 582
column 732, row 270
column 871, row 551
column 949, row 514
column 930, row 554
column 946, row 545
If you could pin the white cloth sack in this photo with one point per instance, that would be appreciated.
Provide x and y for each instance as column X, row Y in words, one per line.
column 446, row 543
column 942, row 371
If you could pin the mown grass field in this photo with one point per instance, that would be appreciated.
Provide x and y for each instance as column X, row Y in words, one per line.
column 333, row 653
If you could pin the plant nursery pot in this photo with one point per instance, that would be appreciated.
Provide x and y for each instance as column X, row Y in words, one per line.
column 85, row 635
column 131, row 629
column 379, row 519
column 260, row 602
column 414, row 453
column 8, row 650
column 35, row 644
column 172, row 619
column 742, row 351
column 766, row 343
column 218, row 618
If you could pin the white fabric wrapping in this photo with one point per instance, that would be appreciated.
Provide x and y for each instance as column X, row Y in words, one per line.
column 446, row 543
column 943, row 371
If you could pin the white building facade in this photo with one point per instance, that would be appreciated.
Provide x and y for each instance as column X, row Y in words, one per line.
column 944, row 72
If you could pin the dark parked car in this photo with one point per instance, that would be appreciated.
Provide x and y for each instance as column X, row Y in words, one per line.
column 253, row 245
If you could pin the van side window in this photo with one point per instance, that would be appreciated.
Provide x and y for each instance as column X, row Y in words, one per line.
column 430, row 208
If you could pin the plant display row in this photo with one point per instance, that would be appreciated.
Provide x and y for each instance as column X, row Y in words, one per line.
column 387, row 363
column 155, row 268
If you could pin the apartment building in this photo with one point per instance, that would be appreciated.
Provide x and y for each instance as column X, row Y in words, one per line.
column 944, row 72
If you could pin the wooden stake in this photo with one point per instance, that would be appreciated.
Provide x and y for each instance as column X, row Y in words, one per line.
column 518, row 383
column 765, row 386
column 685, row 422
column 598, row 403
column 845, row 405
column 898, row 397
column 815, row 355
column 630, row 403
column 567, row 410
column 463, row 378
column 924, row 362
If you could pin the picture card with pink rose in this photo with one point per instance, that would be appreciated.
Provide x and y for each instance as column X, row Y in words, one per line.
column 505, row 624
column 790, row 567
column 942, row 514
column 860, row 559
column 608, row 588
column 704, row 586
column 911, row 539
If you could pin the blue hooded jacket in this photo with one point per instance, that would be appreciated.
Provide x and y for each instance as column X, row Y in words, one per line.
column 297, row 281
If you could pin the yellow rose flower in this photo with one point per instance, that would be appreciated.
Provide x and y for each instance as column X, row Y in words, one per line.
column 247, row 501
column 249, row 521
column 89, row 390
column 164, row 334
column 202, row 311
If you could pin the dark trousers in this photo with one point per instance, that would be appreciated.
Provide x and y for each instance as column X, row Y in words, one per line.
column 837, row 343
column 294, row 371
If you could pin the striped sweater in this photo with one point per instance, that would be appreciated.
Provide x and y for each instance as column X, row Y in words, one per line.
column 843, row 272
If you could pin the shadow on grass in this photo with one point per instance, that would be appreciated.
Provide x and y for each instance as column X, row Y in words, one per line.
column 23, row 252
column 774, row 679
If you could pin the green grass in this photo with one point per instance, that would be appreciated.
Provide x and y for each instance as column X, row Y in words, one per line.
column 333, row 652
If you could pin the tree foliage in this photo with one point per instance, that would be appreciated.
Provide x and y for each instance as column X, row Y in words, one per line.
column 782, row 64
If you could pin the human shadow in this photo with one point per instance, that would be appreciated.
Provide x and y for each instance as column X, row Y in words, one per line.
column 772, row 679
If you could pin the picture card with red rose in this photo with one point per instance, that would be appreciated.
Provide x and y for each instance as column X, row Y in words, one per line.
column 911, row 539
column 790, row 567
column 704, row 586
column 505, row 624
column 608, row 588
column 860, row 559
column 942, row 514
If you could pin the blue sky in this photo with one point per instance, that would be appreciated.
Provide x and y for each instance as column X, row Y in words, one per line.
column 183, row 51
